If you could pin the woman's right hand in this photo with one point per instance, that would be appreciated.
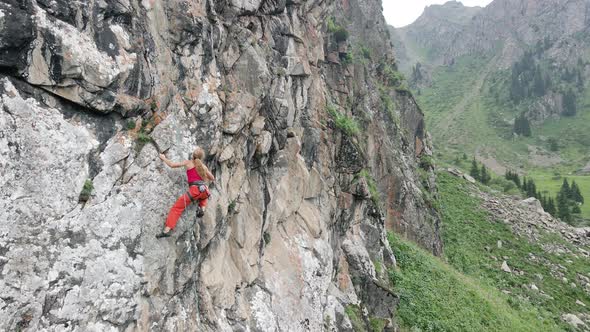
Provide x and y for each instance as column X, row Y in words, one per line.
column 162, row 156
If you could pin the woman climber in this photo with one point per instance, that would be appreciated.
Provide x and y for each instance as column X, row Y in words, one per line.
column 197, row 173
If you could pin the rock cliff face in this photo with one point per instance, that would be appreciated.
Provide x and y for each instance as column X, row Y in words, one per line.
column 294, row 232
column 429, row 37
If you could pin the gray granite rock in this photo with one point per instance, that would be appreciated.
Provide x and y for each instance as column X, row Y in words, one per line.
column 93, row 91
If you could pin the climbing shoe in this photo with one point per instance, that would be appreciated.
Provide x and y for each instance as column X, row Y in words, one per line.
column 161, row 235
column 200, row 212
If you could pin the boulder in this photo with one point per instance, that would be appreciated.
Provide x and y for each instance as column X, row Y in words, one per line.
column 533, row 204
column 469, row 178
column 573, row 320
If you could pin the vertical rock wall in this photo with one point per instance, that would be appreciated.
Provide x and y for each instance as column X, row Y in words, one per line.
column 295, row 229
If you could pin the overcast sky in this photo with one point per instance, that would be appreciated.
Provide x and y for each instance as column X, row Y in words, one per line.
column 400, row 13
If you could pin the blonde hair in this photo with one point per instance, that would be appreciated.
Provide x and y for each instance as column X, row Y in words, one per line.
column 198, row 156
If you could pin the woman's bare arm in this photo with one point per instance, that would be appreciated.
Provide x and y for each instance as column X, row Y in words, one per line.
column 210, row 175
column 171, row 163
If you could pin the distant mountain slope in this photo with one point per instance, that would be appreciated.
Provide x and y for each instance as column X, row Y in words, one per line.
column 476, row 71
column 429, row 37
column 505, row 27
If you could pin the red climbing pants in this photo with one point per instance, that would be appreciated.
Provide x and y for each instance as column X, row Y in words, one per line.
column 183, row 202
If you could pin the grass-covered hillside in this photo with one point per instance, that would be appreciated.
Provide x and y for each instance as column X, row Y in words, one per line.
column 467, row 290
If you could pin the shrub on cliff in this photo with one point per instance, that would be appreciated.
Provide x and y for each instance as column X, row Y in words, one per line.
column 344, row 123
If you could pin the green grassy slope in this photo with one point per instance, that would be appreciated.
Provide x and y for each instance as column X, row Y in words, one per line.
column 468, row 291
column 436, row 297
column 468, row 231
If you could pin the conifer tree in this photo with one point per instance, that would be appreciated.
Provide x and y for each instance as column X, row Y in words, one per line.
column 517, row 126
column 569, row 103
column 485, row 176
column 538, row 83
column 548, row 82
column 522, row 126
column 509, row 175
column 550, row 206
column 513, row 176
column 580, row 82
column 563, row 208
column 576, row 209
column 526, row 127
column 553, row 145
column 565, row 191
column 531, row 188
column 474, row 170
column 575, row 193
column 543, row 200
column 516, row 180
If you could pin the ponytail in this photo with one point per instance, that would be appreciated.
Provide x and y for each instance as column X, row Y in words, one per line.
column 198, row 156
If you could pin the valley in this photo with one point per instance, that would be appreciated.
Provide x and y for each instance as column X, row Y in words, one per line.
column 474, row 81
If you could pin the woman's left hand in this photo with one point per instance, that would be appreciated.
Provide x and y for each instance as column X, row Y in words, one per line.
column 162, row 156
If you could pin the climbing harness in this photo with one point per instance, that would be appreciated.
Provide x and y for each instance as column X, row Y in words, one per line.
column 202, row 189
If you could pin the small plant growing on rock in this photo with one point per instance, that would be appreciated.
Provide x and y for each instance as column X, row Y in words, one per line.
column 378, row 267
column 332, row 27
column 393, row 77
column 224, row 88
column 344, row 123
column 145, row 124
column 423, row 176
column 365, row 52
column 86, row 191
column 340, row 33
column 355, row 315
column 377, row 324
column 130, row 124
column 372, row 185
column 266, row 237
column 388, row 104
column 402, row 88
column 348, row 58
column 362, row 54
column 24, row 322
column 281, row 72
column 426, row 162
column 231, row 207
column 143, row 138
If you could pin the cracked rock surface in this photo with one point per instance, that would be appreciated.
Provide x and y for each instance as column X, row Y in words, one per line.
column 93, row 91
